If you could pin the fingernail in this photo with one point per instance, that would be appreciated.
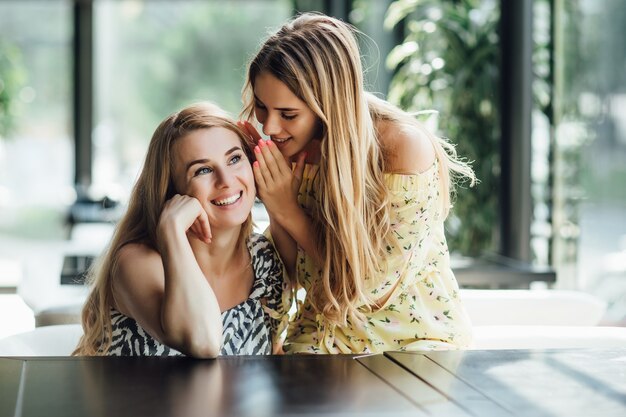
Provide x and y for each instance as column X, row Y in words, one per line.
column 261, row 143
column 255, row 163
column 257, row 150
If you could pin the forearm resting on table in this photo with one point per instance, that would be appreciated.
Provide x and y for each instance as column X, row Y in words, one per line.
column 190, row 313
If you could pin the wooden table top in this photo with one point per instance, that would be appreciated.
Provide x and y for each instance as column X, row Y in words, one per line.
column 577, row 382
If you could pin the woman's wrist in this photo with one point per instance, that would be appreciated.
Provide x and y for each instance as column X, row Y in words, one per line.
column 287, row 214
column 170, row 237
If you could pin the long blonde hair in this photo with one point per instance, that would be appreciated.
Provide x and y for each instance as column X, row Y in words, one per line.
column 318, row 58
column 139, row 224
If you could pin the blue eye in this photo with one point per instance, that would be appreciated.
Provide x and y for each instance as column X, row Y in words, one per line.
column 235, row 159
column 203, row 171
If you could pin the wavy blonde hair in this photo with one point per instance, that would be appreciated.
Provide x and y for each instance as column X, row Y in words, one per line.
column 318, row 58
column 139, row 224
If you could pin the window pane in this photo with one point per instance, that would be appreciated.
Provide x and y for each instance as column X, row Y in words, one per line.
column 541, row 136
column 376, row 43
column 36, row 145
column 432, row 72
column 153, row 57
column 590, row 210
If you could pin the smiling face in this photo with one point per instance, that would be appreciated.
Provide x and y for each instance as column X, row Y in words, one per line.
column 211, row 165
column 286, row 119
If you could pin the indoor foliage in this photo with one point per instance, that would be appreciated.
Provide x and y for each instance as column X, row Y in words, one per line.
column 449, row 62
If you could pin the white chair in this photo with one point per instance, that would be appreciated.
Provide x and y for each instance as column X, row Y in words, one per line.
column 532, row 307
column 61, row 314
column 58, row 340
column 547, row 337
column 539, row 319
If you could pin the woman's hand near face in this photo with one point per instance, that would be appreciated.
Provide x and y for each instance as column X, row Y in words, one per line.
column 278, row 188
column 277, row 184
column 185, row 214
column 283, row 242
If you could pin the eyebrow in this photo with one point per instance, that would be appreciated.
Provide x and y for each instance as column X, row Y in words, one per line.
column 205, row 160
column 277, row 108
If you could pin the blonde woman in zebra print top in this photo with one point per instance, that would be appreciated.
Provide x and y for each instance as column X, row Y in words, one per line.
column 247, row 327
column 184, row 274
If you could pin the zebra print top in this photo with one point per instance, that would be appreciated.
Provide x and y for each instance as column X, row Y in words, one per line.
column 249, row 328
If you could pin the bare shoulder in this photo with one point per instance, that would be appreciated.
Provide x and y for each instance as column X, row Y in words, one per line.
column 139, row 273
column 135, row 255
column 407, row 150
column 137, row 264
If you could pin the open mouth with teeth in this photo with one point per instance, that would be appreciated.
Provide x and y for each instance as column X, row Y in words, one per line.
column 277, row 140
column 228, row 201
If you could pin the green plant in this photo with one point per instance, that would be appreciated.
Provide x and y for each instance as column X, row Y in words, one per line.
column 12, row 76
column 449, row 61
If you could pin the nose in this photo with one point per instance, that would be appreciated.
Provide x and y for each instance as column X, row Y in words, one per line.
column 271, row 127
column 223, row 179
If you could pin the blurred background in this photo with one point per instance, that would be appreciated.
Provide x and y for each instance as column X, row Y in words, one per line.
column 533, row 92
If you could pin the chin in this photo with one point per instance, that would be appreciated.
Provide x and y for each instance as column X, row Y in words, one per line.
column 241, row 218
column 231, row 223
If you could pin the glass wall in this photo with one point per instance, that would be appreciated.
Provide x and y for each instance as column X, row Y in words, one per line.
column 448, row 63
column 150, row 58
column 590, row 153
column 542, row 135
column 376, row 42
column 154, row 57
column 36, row 145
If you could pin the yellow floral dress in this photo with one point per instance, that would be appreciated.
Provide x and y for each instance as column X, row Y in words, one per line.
column 423, row 310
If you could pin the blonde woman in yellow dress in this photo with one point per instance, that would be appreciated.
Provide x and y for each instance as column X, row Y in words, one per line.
column 357, row 192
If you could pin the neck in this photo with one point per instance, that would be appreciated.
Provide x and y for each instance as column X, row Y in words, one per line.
column 222, row 254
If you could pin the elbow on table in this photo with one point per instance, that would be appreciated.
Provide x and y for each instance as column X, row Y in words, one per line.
column 205, row 349
column 204, row 343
